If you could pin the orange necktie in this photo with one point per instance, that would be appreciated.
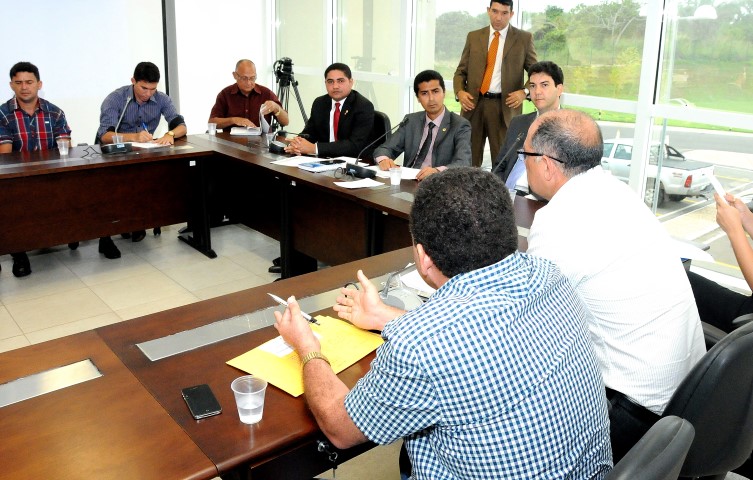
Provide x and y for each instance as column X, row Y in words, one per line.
column 491, row 58
column 336, row 119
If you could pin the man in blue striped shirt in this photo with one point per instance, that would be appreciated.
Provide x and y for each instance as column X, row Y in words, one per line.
column 493, row 377
column 134, row 111
column 27, row 124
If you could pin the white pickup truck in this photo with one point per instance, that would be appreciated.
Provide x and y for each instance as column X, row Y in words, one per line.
column 680, row 177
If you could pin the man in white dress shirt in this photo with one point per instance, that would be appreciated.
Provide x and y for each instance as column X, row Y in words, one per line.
column 643, row 319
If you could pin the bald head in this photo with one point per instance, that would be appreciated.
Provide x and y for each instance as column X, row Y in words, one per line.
column 244, row 62
column 572, row 137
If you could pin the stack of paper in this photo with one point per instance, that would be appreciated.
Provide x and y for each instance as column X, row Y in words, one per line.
column 274, row 361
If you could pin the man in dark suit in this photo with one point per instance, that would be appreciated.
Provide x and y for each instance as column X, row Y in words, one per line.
column 545, row 83
column 491, row 92
column 447, row 133
column 340, row 121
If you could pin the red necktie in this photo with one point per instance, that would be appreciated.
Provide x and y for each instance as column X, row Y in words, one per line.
column 336, row 119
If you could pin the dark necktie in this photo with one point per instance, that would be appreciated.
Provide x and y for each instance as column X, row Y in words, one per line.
column 424, row 148
column 336, row 119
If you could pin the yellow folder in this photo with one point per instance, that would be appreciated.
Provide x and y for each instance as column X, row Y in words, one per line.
column 342, row 343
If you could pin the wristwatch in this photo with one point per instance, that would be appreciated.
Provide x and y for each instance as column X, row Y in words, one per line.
column 311, row 356
column 528, row 93
column 171, row 133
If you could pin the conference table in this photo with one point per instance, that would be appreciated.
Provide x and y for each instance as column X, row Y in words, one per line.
column 131, row 421
column 49, row 199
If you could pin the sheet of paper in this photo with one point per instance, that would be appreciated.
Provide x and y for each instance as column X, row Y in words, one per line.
column 263, row 121
column 406, row 173
column 413, row 280
column 690, row 251
column 379, row 172
column 147, row 145
column 342, row 343
column 245, row 131
column 363, row 183
column 293, row 161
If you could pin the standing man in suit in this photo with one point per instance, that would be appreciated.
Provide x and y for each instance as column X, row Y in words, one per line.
column 545, row 83
column 340, row 122
column 489, row 79
column 433, row 139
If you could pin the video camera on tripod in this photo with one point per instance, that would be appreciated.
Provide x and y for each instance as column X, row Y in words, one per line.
column 284, row 75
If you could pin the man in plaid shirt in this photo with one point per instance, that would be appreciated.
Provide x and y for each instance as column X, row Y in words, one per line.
column 493, row 377
column 29, row 123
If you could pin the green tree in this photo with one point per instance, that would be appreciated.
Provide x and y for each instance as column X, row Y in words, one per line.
column 610, row 21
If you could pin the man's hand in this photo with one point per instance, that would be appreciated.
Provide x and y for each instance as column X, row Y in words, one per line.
column 165, row 140
column 270, row 107
column 426, row 172
column 386, row 164
column 143, row 136
column 243, row 122
column 365, row 309
column 515, row 99
column 295, row 329
column 466, row 101
column 301, row 146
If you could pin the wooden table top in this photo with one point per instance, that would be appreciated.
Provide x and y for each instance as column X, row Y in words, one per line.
column 108, row 427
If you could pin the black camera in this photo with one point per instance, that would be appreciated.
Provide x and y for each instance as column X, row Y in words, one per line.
column 283, row 70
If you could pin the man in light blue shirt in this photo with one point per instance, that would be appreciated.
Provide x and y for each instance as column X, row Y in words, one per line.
column 493, row 377
column 544, row 88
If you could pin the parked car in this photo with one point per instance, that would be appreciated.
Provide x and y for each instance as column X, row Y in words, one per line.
column 680, row 177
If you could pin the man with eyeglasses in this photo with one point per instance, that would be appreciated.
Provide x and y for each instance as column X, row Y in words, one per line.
column 340, row 122
column 545, row 84
column 239, row 104
column 642, row 316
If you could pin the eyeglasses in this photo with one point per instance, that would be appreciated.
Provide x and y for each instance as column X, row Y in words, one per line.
column 342, row 172
column 535, row 154
column 244, row 78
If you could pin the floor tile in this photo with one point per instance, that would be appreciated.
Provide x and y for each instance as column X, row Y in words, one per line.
column 13, row 343
column 73, row 327
column 48, row 276
column 139, row 290
column 8, row 327
column 158, row 305
column 206, row 273
column 56, row 309
column 232, row 287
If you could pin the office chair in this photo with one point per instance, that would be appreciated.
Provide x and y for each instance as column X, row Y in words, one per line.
column 712, row 334
column 659, row 454
column 716, row 397
column 382, row 124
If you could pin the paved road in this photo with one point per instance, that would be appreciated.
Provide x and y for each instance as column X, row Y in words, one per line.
column 685, row 139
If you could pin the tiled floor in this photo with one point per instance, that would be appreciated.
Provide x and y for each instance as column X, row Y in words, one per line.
column 74, row 291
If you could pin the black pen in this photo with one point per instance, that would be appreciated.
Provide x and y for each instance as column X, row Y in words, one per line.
column 285, row 304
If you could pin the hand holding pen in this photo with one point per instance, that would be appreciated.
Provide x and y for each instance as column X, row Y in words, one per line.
column 294, row 328
column 282, row 302
column 143, row 135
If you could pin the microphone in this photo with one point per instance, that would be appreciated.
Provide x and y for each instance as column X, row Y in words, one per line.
column 118, row 147
column 393, row 129
column 512, row 148
column 121, row 115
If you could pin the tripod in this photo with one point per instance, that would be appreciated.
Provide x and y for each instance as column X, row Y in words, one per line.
column 284, row 74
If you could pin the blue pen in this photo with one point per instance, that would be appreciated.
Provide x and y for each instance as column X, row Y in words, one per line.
column 143, row 125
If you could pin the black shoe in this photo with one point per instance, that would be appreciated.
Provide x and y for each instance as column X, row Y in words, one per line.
column 138, row 235
column 157, row 231
column 275, row 269
column 21, row 265
column 73, row 245
column 277, row 261
column 107, row 246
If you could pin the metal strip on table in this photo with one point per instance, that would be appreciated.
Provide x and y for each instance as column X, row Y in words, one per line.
column 163, row 347
column 48, row 381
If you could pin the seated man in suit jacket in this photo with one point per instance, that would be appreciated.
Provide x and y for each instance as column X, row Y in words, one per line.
column 433, row 139
column 340, row 121
column 545, row 84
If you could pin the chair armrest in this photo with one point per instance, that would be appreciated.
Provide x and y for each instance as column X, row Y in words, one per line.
column 742, row 320
column 712, row 335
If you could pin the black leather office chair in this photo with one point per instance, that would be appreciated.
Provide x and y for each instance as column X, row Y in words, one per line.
column 659, row 455
column 717, row 398
column 382, row 124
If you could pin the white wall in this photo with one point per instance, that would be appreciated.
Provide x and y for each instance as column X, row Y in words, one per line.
column 84, row 50
column 210, row 40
